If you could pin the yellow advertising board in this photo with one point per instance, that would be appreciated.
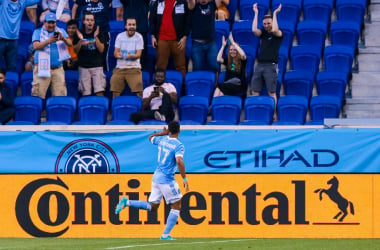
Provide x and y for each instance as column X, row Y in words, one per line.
column 218, row 205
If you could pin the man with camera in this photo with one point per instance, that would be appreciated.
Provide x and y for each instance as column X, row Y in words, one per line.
column 158, row 100
column 89, row 45
column 49, row 43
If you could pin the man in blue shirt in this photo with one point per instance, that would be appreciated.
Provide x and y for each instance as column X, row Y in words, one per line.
column 10, row 15
column 170, row 155
column 49, row 43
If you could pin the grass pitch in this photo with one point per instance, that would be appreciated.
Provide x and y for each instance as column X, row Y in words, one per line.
column 184, row 244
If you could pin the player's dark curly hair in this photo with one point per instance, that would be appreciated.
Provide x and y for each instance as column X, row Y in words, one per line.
column 173, row 127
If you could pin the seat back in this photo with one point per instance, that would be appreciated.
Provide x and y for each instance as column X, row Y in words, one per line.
column 297, row 82
column 246, row 10
column 193, row 108
column 200, row 83
column 226, row 108
column 310, row 32
column 305, row 58
column 28, row 108
column 175, row 77
column 12, row 81
column 26, row 83
column 222, row 28
column 124, row 106
column 331, row 83
column 243, row 35
column 338, row 58
column 259, row 108
column 71, row 79
column 61, row 109
column 345, row 33
column 93, row 109
column 290, row 10
column 318, row 10
column 292, row 109
column 324, row 106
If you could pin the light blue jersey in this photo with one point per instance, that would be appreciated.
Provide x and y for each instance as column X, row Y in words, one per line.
column 168, row 150
column 10, row 16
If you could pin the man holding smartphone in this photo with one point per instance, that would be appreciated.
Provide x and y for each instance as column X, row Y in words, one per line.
column 158, row 100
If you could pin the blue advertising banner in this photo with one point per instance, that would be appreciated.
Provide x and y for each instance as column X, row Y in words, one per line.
column 207, row 151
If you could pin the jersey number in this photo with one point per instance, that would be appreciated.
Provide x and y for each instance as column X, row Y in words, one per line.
column 165, row 154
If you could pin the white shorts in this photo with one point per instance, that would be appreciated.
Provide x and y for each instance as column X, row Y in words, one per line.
column 170, row 192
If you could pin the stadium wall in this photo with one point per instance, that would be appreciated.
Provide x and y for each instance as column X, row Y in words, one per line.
column 254, row 183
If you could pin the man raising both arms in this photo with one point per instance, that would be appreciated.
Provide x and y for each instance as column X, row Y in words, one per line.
column 170, row 155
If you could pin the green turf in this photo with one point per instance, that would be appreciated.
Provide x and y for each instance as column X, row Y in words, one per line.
column 184, row 244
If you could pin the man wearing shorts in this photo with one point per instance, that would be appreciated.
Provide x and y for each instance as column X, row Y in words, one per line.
column 170, row 155
column 270, row 42
column 128, row 49
column 89, row 45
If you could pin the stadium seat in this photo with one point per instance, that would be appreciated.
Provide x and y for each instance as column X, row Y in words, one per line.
column 291, row 110
column 258, row 110
column 92, row 110
column 232, row 7
column 331, row 83
column 250, row 52
column 71, row 79
column 152, row 122
column 318, row 10
column 226, row 109
column 124, row 106
column 116, row 27
column 26, row 31
column 200, row 83
column 193, row 108
column 60, row 110
column 146, row 79
column 222, row 28
column 324, row 106
column 12, row 81
column 305, row 58
column 351, row 10
column 246, row 9
column 243, row 35
column 345, row 33
column 26, row 83
column 288, row 31
column 290, row 10
column 27, row 109
column 61, row 25
column 175, row 77
column 283, row 56
column 297, row 82
column 338, row 58
column 313, row 33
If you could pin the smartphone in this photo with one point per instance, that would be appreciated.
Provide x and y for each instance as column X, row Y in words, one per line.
column 156, row 89
column 56, row 34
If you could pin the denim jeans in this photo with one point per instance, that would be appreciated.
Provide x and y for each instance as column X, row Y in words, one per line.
column 204, row 55
column 8, row 49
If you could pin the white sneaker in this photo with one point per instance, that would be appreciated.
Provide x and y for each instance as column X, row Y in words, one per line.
column 159, row 116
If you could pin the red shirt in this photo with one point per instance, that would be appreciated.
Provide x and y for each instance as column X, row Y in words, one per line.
column 167, row 31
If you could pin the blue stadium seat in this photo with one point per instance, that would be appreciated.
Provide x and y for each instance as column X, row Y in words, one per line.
column 291, row 110
column 200, row 83
column 175, row 77
column 71, row 79
column 305, row 58
column 297, row 82
column 60, row 110
column 124, row 106
column 258, row 110
column 345, row 33
column 250, row 52
column 12, row 81
column 290, row 10
column 232, row 7
column 152, row 122
column 61, row 25
column 331, row 83
column 324, row 106
column 226, row 109
column 288, row 31
column 26, row 31
column 243, row 35
column 338, row 58
column 313, row 33
column 283, row 56
column 27, row 109
column 116, row 27
column 26, row 83
column 351, row 10
column 318, row 10
column 246, row 9
column 92, row 110
column 222, row 28
column 146, row 79
column 193, row 108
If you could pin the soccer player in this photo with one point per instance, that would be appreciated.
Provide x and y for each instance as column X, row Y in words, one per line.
column 170, row 155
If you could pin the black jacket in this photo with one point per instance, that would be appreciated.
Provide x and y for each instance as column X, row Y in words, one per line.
column 182, row 21
column 7, row 98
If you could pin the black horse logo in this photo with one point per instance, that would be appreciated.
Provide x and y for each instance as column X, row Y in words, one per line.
column 336, row 197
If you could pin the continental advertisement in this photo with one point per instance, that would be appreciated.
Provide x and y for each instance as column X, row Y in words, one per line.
column 218, row 205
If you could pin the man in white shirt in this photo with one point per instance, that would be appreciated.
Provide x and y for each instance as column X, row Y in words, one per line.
column 158, row 100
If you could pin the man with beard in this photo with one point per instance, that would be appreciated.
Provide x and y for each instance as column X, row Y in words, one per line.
column 158, row 100
column 89, row 45
column 128, row 49
column 7, row 109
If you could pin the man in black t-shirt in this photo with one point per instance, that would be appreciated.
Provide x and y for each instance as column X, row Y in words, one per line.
column 89, row 45
column 270, row 41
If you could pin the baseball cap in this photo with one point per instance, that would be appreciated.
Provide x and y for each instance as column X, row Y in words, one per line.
column 50, row 17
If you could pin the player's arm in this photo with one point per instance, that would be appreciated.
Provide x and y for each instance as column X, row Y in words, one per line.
column 165, row 131
column 181, row 168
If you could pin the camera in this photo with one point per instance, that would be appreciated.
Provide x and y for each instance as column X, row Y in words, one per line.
column 56, row 34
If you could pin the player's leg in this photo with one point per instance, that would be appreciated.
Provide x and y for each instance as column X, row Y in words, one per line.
column 173, row 196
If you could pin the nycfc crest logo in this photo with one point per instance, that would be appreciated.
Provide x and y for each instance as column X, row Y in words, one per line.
column 87, row 156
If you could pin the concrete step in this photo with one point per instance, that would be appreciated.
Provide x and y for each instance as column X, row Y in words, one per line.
column 362, row 108
column 371, row 33
column 361, row 114
column 365, row 85
column 369, row 62
column 375, row 11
